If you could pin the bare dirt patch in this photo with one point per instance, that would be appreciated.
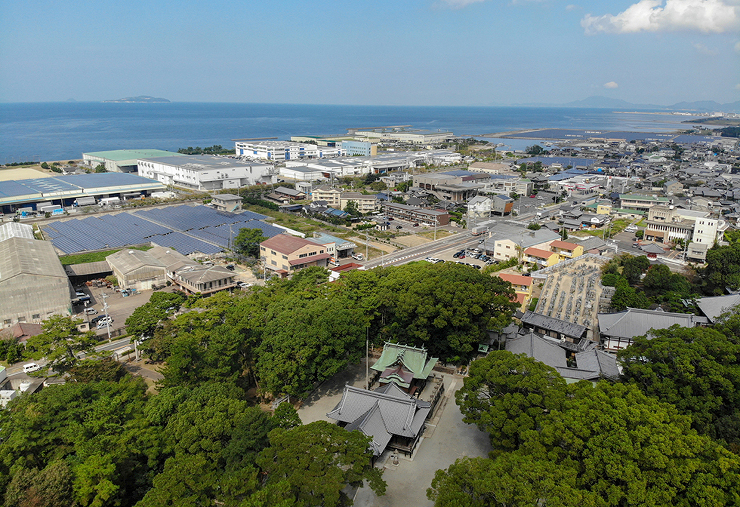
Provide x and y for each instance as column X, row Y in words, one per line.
column 22, row 173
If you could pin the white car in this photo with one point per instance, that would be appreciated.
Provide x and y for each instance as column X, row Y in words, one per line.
column 31, row 367
column 104, row 322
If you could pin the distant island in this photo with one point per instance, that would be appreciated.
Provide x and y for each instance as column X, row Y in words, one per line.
column 141, row 99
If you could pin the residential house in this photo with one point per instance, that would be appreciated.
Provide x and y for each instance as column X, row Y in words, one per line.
column 502, row 205
column 205, row 280
column 541, row 258
column 672, row 187
column 522, row 288
column 512, row 245
column 566, row 250
column 227, row 202
column 337, row 247
column 284, row 254
column 480, row 207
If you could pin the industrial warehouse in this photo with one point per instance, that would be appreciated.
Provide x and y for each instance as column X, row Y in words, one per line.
column 66, row 190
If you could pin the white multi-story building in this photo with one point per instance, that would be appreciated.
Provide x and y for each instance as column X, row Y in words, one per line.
column 284, row 150
column 206, row 172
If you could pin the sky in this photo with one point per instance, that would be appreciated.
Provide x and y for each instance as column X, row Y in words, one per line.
column 382, row 52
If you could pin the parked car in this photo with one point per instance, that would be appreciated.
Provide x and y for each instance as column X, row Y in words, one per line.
column 230, row 267
column 635, row 245
column 105, row 322
column 90, row 311
column 31, row 367
column 456, row 255
column 399, row 227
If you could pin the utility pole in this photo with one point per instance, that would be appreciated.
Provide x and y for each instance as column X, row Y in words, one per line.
column 367, row 358
column 105, row 309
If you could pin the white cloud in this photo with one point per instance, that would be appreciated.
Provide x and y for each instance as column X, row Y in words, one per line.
column 737, row 47
column 709, row 16
column 701, row 48
column 571, row 7
column 611, row 84
column 459, row 4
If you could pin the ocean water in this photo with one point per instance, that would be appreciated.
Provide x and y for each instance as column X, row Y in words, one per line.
column 65, row 130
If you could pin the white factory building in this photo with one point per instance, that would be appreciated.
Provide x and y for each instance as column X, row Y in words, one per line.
column 206, row 172
column 284, row 150
column 403, row 135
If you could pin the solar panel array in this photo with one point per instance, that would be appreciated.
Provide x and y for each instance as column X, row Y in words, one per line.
column 184, row 218
column 206, row 230
column 184, row 244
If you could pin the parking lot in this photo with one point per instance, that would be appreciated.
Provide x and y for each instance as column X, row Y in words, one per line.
column 120, row 308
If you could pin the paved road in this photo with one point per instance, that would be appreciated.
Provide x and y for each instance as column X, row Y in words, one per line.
column 115, row 345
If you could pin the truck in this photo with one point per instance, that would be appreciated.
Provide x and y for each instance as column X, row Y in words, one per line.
column 49, row 208
column 478, row 230
column 109, row 201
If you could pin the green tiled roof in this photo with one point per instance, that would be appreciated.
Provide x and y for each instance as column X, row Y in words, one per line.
column 412, row 358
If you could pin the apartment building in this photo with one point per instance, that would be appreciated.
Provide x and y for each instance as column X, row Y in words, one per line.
column 284, row 254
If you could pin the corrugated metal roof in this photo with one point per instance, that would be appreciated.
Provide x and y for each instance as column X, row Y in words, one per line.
column 127, row 261
column 15, row 230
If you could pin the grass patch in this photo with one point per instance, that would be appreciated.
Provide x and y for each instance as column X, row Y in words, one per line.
column 430, row 234
column 297, row 222
column 84, row 258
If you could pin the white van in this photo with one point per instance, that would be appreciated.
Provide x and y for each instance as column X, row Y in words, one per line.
column 31, row 367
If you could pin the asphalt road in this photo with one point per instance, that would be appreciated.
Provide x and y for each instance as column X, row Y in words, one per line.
column 112, row 346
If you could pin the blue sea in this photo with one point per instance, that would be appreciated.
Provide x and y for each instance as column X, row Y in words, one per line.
column 64, row 130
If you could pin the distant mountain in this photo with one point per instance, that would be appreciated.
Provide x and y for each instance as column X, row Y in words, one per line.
column 699, row 106
column 141, row 99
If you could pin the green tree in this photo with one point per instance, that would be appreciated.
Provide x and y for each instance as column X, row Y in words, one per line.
column 447, row 308
column 631, row 449
column 534, row 226
column 352, row 208
column 317, row 461
column 507, row 395
column 628, row 297
column 695, row 369
column 247, row 242
column 100, row 168
column 722, row 269
column 50, row 487
column 509, row 480
column 60, row 342
column 145, row 319
column 634, row 267
column 535, row 150
column 306, row 341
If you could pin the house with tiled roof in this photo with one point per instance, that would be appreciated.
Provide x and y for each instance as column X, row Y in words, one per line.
column 566, row 250
column 522, row 287
column 284, row 254
column 388, row 415
column 540, row 257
